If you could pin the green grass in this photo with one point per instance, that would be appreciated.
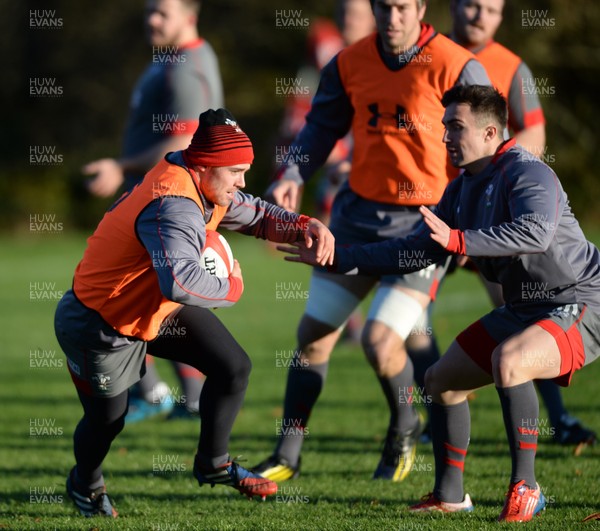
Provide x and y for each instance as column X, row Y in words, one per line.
column 335, row 491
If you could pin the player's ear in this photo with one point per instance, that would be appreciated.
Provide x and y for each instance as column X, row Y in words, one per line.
column 191, row 14
column 421, row 8
column 490, row 133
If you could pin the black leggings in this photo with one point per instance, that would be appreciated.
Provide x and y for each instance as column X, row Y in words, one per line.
column 203, row 342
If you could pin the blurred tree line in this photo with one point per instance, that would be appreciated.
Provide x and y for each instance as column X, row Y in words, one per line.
column 95, row 52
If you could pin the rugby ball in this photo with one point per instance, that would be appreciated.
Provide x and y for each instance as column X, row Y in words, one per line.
column 216, row 258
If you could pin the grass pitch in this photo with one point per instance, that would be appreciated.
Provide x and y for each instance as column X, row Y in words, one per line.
column 148, row 471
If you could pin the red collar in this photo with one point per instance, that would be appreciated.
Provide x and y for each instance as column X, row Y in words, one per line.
column 427, row 32
column 503, row 148
column 193, row 44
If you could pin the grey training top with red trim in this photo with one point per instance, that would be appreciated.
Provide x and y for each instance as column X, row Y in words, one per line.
column 173, row 231
column 518, row 229
column 180, row 83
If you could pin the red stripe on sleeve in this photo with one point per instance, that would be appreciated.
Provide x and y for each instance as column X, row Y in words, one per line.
column 534, row 117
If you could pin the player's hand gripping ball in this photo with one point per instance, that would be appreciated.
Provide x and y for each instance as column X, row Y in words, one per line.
column 216, row 258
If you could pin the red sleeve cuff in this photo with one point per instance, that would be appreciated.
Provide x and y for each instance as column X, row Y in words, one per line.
column 456, row 244
column 236, row 288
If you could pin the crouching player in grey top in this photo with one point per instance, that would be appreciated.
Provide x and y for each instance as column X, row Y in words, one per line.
column 510, row 215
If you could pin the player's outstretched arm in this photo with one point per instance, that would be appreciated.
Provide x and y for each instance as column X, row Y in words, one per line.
column 387, row 257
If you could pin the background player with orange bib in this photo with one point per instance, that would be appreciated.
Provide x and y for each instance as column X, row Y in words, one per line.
column 386, row 89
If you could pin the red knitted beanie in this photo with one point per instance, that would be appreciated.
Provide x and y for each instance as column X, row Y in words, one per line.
column 219, row 141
